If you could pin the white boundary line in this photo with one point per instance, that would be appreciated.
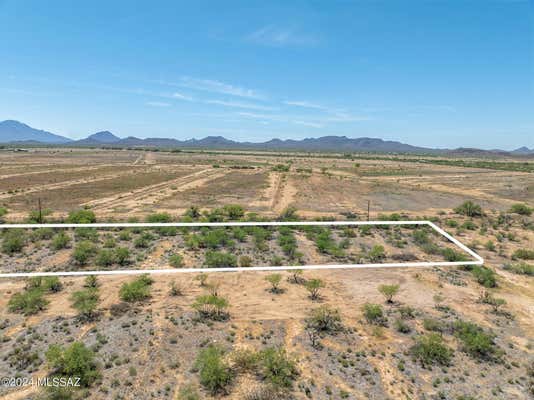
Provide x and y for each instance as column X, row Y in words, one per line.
column 479, row 260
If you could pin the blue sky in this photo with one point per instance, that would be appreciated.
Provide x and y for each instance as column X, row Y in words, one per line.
column 430, row 73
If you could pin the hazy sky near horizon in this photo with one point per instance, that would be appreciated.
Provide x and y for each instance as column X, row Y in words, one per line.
column 430, row 73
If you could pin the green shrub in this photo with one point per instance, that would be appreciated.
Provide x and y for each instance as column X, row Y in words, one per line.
column 429, row 349
column 28, row 302
column 245, row 262
column 51, row 284
column 36, row 217
column 407, row 312
column 105, row 258
column 137, row 290
column 281, row 168
column 453, row 255
column 216, row 259
column 91, row 281
column 85, row 301
column 401, row 326
column 313, row 286
column 389, row 291
column 13, row 241
column 274, row 280
column 215, row 373
column 484, row 276
column 289, row 214
column 377, row 253
column 73, row 361
column 159, row 217
column 374, row 314
column 121, row 255
column 239, row 233
column 433, row 325
column 325, row 319
column 125, row 235
column 83, row 233
column 490, row 246
column 327, row 245
column 60, row 241
column 143, row 241
column 470, row 225
column 420, row 237
column 83, row 251
column 176, row 261
column 41, row 234
column 233, row 211
column 521, row 268
column 216, row 238
column 475, row 341
column 522, row 209
column 188, row 392
column 523, row 254
column 81, row 217
column 469, row 209
column 211, row 306
column 277, row 367
column 452, row 223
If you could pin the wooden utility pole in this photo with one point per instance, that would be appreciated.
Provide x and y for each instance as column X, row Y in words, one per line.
column 40, row 211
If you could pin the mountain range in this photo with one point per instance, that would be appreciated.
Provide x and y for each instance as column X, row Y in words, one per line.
column 14, row 132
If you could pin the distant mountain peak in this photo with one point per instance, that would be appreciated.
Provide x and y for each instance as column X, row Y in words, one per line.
column 523, row 150
column 103, row 137
column 15, row 131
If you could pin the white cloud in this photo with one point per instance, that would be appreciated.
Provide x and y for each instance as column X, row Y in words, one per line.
column 180, row 96
column 309, row 124
column 157, row 104
column 279, row 37
column 305, row 104
column 237, row 104
column 214, row 86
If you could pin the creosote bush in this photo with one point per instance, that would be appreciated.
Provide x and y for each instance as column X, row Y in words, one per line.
column 325, row 319
column 60, row 241
column 75, row 360
column 83, row 252
column 475, row 341
column 176, row 261
column 81, row 217
column 216, row 259
column 521, row 209
column 469, row 209
column 137, row 290
column 430, row 349
column 215, row 373
column 374, row 314
column 28, row 302
column 86, row 301
column 13, row 241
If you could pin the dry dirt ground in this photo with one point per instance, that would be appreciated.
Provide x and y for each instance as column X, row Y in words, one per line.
column 147, row 349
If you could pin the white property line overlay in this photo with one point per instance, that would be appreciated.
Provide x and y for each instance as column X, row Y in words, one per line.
column 479, row 260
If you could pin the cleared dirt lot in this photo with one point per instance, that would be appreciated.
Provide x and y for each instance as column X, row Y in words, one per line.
column 68, row 179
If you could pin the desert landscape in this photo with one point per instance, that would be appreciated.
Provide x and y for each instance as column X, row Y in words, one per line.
column 405, row 333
